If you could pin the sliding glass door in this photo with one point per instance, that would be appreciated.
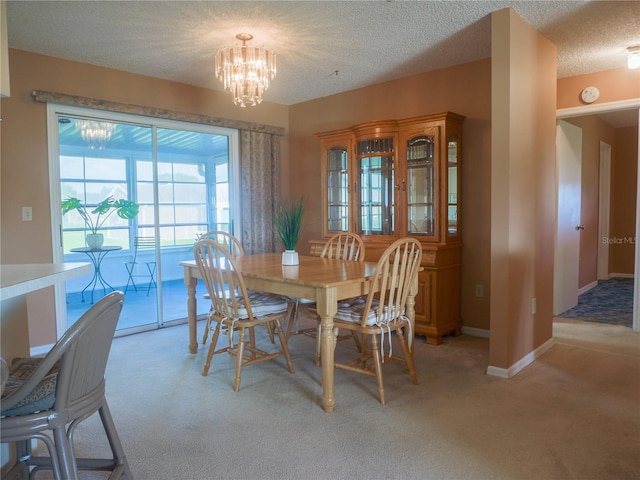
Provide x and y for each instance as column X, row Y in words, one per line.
column 183, row 177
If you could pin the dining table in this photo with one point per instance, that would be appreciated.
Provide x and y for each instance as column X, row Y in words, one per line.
column 325, row 281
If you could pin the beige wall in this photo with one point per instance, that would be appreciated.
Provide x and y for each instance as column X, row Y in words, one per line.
column 522, row 188
column 614, row 85
column 624, row 174
column 624, row 159
column 23, row 153
column 464, row 89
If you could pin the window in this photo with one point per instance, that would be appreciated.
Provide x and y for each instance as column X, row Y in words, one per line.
column 185, row 179
column 91, row 180
column 183, row 191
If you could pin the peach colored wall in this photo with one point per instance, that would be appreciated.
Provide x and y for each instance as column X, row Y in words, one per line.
column 522, row 188
column 624, row 173
column 463, row 89
column 24, row 169
column 594, row 131
column 614, row 85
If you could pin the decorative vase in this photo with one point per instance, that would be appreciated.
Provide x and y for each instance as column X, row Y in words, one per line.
column 290, row 257
column 95, row 240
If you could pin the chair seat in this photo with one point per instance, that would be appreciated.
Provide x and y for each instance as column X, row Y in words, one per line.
column 263, row 304
column 40, row 398
column 352, row 311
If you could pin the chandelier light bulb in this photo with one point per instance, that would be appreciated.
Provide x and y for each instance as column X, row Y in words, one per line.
column 245, row 71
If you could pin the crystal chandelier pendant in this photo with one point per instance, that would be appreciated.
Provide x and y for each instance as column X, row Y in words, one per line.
column 95, row 133
column 246, row 71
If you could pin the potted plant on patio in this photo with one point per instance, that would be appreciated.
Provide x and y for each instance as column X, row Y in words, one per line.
column 95, row 218
column 287, row 219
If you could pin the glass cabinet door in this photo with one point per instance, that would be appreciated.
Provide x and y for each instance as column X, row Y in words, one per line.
column 376, row 190
column 337, row 190
column 452, row 193
column 421, row 201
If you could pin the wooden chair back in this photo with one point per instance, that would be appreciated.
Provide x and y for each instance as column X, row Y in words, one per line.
column 218, row 270
column 396, row 271
column 344, row 246
column 230, row 242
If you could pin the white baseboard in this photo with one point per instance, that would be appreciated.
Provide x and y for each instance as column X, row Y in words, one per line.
column 588, row 287
column 528, row 359
column 621, row 275
column 475, row 332
column 40, row 350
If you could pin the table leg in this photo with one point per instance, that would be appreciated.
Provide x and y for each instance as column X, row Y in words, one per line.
column 411, row 311
column 92, row 283
column 327, row 305
column 192, row 314
column 97, row 279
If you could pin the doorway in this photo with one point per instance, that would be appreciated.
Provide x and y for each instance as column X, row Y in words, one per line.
column 184, row 177
column 617, row 114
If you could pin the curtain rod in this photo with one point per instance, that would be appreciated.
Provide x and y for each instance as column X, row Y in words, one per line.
column 77, row 101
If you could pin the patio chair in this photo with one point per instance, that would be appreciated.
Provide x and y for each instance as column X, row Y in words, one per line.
column 344, row 246
column 47, row 398
column 238, row 313
column 149, row 270
column 381, row 313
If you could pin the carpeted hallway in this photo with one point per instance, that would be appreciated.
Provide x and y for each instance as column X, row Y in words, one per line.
column 610, row 301
column 573, row 414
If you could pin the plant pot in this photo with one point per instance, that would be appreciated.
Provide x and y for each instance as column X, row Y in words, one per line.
column 290, row 257
column 95, row 240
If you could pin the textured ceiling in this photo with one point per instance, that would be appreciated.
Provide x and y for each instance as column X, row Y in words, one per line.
column 323, row 47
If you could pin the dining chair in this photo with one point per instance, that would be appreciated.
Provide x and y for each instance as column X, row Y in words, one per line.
column 234, row 246
column 46, row 398
column 383, row 312
column 238, row 313
column 149, row 270
column 228, row 240
column 343, row 246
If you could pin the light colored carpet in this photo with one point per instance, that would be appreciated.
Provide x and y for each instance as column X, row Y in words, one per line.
column 573, row 414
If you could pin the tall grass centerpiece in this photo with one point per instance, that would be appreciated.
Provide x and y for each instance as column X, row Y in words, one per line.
column 287, row 219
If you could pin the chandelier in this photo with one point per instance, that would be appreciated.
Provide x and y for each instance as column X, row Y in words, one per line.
column 95, row 133
column 246, row 71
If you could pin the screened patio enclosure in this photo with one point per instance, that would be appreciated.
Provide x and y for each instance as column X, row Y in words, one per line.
column 184, row 178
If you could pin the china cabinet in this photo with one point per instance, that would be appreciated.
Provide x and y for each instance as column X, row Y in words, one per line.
column 389, row 179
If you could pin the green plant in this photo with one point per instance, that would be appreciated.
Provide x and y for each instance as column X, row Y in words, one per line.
column 288, row 221
column 95, row 218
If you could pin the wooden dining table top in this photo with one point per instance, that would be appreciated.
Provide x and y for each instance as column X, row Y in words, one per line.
column 312, row 271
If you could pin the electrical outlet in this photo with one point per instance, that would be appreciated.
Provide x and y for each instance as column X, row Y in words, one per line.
column 479, row 290
column 27, row 214
column 533, row 306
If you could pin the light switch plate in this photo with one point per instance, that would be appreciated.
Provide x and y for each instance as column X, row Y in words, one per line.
column 27, row 214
